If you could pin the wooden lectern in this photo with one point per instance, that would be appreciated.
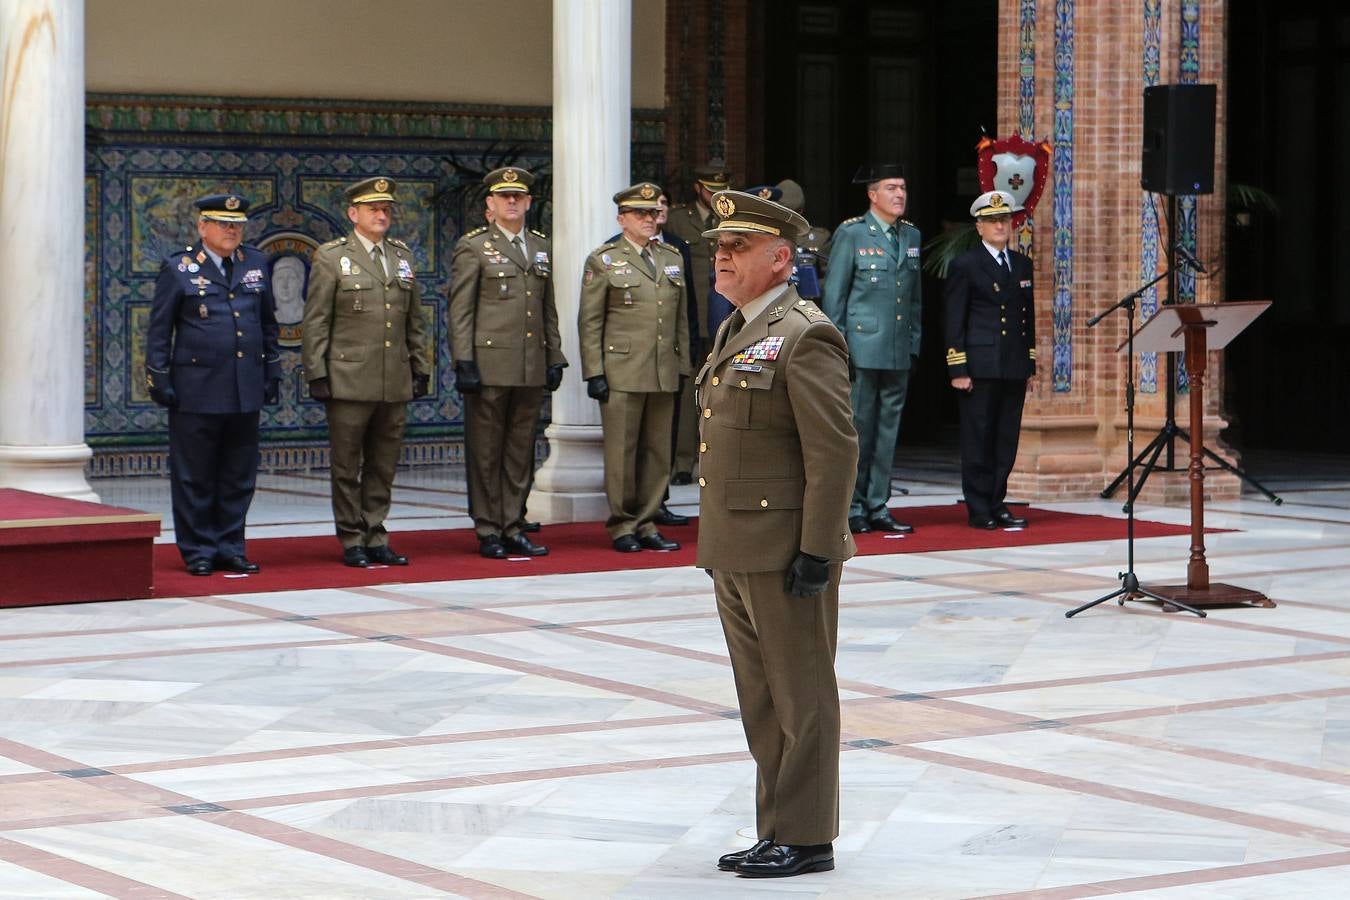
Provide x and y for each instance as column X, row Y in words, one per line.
column 1197, row 328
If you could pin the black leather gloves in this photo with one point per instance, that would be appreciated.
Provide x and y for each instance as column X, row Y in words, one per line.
column 807, row 576
column 421, row 386
column 272, row 392
column 597, row 388
column 467, row 378
column 553, row 378
column 163, row 395
column 320, row 389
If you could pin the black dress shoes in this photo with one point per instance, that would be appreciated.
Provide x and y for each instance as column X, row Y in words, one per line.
column 858, row 525
column 728, row 861
column 237, row 564
column 782, row 860
column 1006, row 519
column 531, row 527
column 656, row 541
column 627, row 543
column 984, row 522
column 490, row 547
column 385, row 556
column 355, row 557
column 666, row 517
column 520, row 545
column 882, row 521
column 200, row 567
column 682, row 478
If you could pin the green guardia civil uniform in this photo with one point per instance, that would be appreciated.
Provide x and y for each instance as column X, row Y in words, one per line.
column 634, row 330
column 363, row 330
column 503, row 318
column 873, row 292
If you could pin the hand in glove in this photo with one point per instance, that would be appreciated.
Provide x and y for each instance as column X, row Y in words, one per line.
column 553, row 377
column 421, row 386
column 164, row 395
column 597, row 388
column 807, row 576
column 272, row 392
column 467, row 378
column 320, row 389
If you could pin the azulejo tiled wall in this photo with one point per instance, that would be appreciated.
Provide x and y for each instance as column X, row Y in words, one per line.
column 148, row 157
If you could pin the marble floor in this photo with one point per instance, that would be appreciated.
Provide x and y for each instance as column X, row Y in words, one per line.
column 575, row 736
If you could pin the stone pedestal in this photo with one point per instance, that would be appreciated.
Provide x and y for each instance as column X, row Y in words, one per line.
column 42, row 248
column 592, row 113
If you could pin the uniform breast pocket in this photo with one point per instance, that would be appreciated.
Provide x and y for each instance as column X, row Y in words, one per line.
column 873, row 271
column 862, row 324
column 752, row 398
column 355, row 292
column 500, row 281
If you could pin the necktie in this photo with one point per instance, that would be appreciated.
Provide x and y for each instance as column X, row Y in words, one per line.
column 647, row 258
column 1003, row 260
column 378, row 255
column 893, row 238
column 227, row 266
column 735, row 323
column 519, row 243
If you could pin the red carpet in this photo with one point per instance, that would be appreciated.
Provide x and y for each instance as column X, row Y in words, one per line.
column 315, row 562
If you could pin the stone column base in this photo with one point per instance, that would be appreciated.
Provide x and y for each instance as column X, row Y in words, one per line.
column 1057, row 459
column 570, row 485
column 54, row 470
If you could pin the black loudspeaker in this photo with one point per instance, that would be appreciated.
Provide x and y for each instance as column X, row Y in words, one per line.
column 1178, row 155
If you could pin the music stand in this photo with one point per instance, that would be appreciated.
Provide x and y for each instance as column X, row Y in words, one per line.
column 1196, row 329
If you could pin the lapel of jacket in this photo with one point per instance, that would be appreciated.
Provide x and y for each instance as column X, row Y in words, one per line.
column 506, row 248
column 993, row 269
column 206, row 266
column 749, row 334
column 636, row 261
column 360, row 257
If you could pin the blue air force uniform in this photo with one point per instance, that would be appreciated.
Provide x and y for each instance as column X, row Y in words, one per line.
column 990, row 327
column 874, row 293
column 211, row 358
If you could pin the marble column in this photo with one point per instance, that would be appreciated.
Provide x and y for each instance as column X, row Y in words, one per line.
column 42, row 248
column 592, row 125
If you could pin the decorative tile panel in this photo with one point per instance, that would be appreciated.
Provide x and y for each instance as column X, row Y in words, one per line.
column 1148, row 212
column 1062, row 308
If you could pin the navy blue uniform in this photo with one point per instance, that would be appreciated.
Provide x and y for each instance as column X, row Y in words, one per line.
column 213, row 342
column 990, row 327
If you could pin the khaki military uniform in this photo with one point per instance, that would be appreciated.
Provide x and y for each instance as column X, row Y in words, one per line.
column 778, row 454
column 503, row 318
column 634, row 330
column 688, row 224
column 364, row 332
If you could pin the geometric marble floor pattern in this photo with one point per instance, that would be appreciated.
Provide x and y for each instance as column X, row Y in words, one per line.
column 576, row 736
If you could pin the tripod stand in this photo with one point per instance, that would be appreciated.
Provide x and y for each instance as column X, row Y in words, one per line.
column 1166, row 437
column 1129, row 582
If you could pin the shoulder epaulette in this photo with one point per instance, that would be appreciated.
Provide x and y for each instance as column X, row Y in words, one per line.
column 397, row 243
column 852, row 220
column 187, row 249
column 538, row 233
column 810, row 310
column 334, row 242
column 908, row 222
column 669, row 249
column 477, row 231
column 608, row 245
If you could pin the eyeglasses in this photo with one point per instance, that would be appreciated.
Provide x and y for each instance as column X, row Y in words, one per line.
column 644, row 213
column 220, row 224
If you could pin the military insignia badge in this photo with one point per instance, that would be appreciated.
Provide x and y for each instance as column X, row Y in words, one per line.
column 766, row 193
column 345, row 265
column 201, row 256
column 405, row 271
column 1025, row 282
column 508, row 175
column 647, row 192
column 725, row 207
column 356, row 270
column 193, row 267
column 182, row 267
column 912, row 252
column 231, row 202
column 672, row 271
column 201, row 311
column 382, row 185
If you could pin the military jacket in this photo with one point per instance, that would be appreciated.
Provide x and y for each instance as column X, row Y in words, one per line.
column 214, row 341
column 502, row 314
column 633, row 326
column 778, row 454
column 685, row 223
column 988, row 318
column 874, row 293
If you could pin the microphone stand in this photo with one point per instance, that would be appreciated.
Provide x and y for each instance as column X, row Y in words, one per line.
column 1130, row 589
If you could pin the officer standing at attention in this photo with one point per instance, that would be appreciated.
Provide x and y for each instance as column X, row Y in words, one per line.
column 688, row 222
column 778, row 454
column 990, row 325
column 365, row 357
column 506, row 346
column 634, row 348
column 212, row 359
column 874, row 293
column 813, row 249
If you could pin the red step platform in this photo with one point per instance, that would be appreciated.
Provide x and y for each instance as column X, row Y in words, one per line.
column 54, row 550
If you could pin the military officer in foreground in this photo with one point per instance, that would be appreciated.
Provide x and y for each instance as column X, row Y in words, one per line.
column 778, row 457
column 506, row 346
column 634, row 350
column 990, row 325
column 365, row 357
column 212, row 359
column 874, row 292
